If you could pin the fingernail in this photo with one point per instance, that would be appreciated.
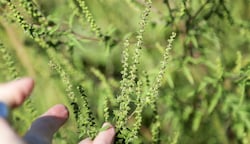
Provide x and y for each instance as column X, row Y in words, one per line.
column 59, row 110
column 64, row 110
column 105, row 127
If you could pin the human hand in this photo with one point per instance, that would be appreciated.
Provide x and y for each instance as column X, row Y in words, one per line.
column 14, row 93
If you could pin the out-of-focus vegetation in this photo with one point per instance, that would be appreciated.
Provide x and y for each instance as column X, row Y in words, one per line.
column 205, row 92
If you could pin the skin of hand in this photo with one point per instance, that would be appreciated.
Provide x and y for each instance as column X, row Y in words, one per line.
column 14, row 93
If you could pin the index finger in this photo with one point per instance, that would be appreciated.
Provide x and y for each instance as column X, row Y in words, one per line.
column 15, row 92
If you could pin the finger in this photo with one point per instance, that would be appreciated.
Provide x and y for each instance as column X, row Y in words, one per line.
column 7, row 135
column 86, row 141
column 14, row 93
column 43, row 129
column 107, row 136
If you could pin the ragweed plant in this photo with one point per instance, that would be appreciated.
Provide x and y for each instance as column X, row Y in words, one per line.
column 84, row 11
column 128, row 84
column 9, row 63
column 83, row 116
column 13, row 75
column 201, row 96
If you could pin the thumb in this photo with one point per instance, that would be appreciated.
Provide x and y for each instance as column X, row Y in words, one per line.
column 104, row 137
column 43, row 129
column 107, row 136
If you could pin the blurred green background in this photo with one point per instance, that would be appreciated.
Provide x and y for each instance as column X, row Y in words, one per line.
column 206, row 91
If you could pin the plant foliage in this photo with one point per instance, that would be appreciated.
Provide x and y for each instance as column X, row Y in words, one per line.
column 160, row 71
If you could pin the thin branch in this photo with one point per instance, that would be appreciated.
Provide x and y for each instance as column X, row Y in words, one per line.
column 169, row 9
column 200, row 9
column 85, row 37
column 186, row 10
